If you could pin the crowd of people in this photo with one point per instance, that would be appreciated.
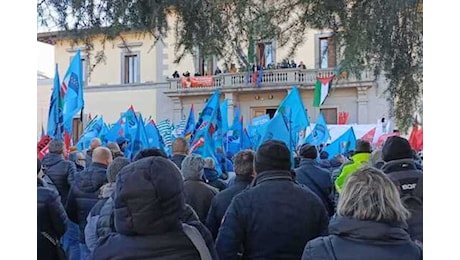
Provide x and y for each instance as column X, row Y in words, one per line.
column 96, row 204
column 285, row 64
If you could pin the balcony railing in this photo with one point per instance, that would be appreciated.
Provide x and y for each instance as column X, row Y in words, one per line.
column 270, row 78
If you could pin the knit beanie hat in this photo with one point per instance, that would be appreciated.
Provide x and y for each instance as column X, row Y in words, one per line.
column 272, row 155
column 396, row 148
column 308, row 151
column 114, row 168
column 192, row 167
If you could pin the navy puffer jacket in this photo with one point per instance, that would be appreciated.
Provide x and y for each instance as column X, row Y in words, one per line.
column 149, row 203
column 61, row 172
column 273, row 219
column 356, row 239
column 84, row 194
column 51, row 218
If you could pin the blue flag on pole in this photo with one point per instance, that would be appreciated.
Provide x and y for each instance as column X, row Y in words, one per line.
column 320, row 133
column 55, row 117
column 276, row 130
column 72, row 91
column 92, row 130
column 345, row 143
column 295, row 115
column 190, row 126
column 153, row 135
column 224, row 113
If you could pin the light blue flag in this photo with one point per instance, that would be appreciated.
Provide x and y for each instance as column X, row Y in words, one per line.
column 115, row 131
column 276, row 130
column 92, row 130
column 208, row 135
column 190, row 126
column 139, row 141
column 224, row 113
column 72, row 91
column 345, row 143
column 320, row 133
column 55, row 117
column 153, row 136
column 294, row 114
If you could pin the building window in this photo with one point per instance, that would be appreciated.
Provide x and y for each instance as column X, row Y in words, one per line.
column 130, row 71
column 326, row 53
column 330, row 114
column 265, row 53
column 206, row 66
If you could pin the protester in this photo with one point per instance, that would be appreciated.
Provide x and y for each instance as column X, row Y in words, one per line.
column 310, row 174
column 370, row 223
column 78, row 158
column 401, row 168
column 60, row 171
column 360, row 156
column 176, row 75
column 149, row 152
column 122, row 143
column 61, row 174
column 244, row 170
column 115, row 149
column 84, row 193
column 51, row 219
column 180, row 150
column 212, row 176
column 275, row 217
column 198, row 194
column 149, row 203
column 94, row 143
column 100, row 219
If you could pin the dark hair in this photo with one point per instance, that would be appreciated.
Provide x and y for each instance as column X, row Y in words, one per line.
column 363, row 146
column 149, row 152
column 323, row 155
column 244, row 162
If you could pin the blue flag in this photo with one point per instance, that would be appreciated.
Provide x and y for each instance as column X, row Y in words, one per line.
column 276, row 130
column 115, row 131
column 224, row 113
column 294, row 114
column 55, row 117
column 345, row 143
column 72, row 91
column 190, row 126
column 153, row 135
column 208, row 133
column 320, row 133
column 139, row 141
column 92, row 130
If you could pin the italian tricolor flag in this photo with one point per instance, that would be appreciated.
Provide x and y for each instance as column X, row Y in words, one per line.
column 322, row 88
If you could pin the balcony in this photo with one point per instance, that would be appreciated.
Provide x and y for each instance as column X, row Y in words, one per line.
column 271, row 80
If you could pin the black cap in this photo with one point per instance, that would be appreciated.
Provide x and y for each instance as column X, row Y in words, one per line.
column 272, row 155
column 396, row 148
column 308, row 151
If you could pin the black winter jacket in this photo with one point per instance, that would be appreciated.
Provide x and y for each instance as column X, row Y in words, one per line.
column 51, row 218
column 61, row 172
column 318, row 180
column 356, row 239
column 148, row 210
column 221, row 202
column 273, row 219
column 84, row 194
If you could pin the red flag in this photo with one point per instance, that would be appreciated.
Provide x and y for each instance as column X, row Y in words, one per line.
column 343, row 118
column 369, row 136
column 416, row 138
column 42, row 146
column 384, row 137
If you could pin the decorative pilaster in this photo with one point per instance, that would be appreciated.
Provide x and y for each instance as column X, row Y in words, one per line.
column 232, row 102
column 177, row 109
column 362, row 105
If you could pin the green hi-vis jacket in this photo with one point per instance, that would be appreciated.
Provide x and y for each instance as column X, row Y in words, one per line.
column 358, row 160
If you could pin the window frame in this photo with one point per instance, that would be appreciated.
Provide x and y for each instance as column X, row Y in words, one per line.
column 137, row 76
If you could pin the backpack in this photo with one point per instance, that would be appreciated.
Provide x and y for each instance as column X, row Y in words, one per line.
column 198, row 241
column 410, row 184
